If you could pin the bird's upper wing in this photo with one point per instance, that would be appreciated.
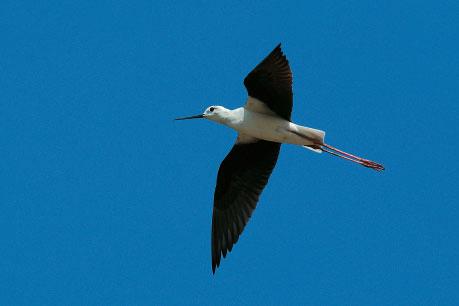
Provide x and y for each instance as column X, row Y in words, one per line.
column 241, row 178
column 271, row 83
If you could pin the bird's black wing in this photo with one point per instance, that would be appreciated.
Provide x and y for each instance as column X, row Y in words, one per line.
column 271, row 83
column 241, row 178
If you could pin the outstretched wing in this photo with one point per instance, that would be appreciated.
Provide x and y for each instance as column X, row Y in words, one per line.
column 241, row 178
column 271, row 83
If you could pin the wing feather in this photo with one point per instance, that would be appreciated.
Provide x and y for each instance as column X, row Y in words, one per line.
column 271, row 83
column 242, row 176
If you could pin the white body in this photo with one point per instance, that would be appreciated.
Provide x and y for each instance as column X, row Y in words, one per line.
column 256, row 120
column 273, row 128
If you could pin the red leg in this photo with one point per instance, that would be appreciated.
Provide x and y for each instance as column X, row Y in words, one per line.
column 364, row 162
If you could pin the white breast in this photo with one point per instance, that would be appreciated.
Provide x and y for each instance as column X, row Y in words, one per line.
column 260, row 126
column 257, row 121
column 253, row 125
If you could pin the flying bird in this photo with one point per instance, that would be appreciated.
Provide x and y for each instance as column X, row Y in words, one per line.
column 263, row 124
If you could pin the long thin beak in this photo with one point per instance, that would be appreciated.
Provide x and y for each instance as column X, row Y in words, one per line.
column 191, row 117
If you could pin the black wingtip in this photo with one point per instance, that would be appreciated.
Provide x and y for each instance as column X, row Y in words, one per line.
column 214, row 267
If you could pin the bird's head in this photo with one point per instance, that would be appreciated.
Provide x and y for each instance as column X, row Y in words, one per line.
column 214, row 113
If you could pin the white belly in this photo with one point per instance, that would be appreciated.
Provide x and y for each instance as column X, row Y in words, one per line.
column 273, row 128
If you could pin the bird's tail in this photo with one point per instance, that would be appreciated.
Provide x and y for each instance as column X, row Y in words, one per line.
column 313, row 136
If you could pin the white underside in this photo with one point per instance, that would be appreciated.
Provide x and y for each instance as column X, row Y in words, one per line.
column 256, row 121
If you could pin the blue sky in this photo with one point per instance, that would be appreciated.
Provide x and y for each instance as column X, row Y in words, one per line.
column 106, row 200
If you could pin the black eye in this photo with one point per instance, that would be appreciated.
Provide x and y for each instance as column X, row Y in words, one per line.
column 212, row 109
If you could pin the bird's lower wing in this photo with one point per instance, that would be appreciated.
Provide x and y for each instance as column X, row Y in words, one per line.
column 241, row 178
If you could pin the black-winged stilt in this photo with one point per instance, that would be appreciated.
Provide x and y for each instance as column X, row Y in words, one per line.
column 263, row 124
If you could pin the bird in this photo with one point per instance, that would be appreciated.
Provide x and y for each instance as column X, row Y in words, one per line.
column 263, row 124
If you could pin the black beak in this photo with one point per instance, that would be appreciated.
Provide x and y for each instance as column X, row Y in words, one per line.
column 191, row 117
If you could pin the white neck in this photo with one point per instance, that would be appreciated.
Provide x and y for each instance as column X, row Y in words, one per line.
column 229, row 117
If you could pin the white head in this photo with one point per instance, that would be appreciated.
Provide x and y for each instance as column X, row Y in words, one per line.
column 215, row 113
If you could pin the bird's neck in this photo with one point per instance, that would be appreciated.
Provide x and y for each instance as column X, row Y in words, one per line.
column 233, row 117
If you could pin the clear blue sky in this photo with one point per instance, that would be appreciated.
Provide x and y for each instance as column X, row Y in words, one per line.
column 106, row 200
